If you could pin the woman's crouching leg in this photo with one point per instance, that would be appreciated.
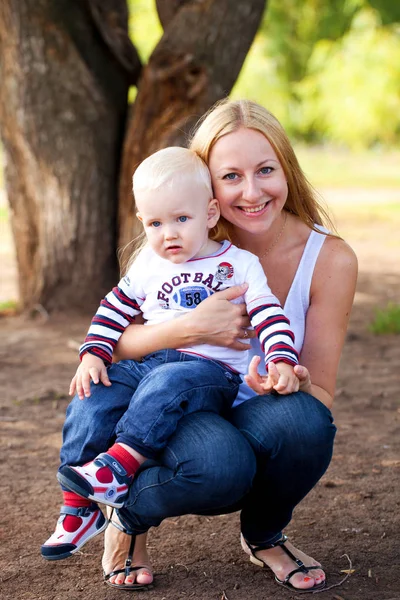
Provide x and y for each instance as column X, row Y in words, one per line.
column 207, row 465
column 292, row 437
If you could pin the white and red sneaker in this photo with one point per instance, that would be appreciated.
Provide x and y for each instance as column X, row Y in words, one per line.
column 63, row 543
column 102, row 480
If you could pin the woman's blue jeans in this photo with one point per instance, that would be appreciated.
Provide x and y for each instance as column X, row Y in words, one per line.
column 263, row 460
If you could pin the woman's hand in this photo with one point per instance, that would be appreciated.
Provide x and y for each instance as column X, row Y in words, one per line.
column 219, row 322
column 216, row 321
column 304, row 379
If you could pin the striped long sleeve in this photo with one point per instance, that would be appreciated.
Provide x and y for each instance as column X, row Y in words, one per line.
column 274, row 333
column 268, row 319
column 116, row 311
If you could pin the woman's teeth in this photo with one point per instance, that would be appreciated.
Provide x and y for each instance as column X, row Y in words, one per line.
column 255, row 209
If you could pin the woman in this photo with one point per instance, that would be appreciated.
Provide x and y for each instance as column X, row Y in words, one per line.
column 269, row 209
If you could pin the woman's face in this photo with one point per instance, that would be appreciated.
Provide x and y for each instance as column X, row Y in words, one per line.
column 248, row 180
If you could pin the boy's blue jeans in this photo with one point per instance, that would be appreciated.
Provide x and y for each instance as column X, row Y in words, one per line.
column 145, row 403
column 264, row 460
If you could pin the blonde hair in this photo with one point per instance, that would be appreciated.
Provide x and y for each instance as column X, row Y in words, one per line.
column 227, row 116
column 164, row 169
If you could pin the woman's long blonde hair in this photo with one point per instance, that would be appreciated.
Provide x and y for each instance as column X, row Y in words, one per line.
column 230, row 115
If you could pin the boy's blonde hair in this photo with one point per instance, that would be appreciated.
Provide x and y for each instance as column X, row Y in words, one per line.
column 166, row 168
column 169, row 166
column 227, row 116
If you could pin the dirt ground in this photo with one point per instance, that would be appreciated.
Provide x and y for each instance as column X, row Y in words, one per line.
column 353, row 511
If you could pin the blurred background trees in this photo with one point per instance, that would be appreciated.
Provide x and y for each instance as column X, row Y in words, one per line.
column 91, row 87
column 329, row 70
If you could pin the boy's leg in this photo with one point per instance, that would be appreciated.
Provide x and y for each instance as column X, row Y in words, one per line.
column 89, row 429
column 170, row 392
column 90, row 423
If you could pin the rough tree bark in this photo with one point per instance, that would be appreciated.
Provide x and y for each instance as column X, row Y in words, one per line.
column 65, row 69
column 196, row 63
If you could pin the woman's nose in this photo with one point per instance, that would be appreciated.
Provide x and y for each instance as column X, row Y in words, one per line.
column 251, row 190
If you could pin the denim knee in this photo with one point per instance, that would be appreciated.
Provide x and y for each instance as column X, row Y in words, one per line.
column 298, row 422
column 207, row 465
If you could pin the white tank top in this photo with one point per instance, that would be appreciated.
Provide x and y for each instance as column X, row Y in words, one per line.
column 296, row 305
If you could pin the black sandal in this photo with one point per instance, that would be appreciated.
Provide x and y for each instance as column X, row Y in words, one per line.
column 128, row 569
column 301, row 567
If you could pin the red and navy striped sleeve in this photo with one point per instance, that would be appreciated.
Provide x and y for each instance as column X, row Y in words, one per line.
column 116, row 311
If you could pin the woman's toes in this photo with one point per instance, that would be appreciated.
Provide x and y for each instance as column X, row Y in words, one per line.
column 302, row 581
column 144, row 576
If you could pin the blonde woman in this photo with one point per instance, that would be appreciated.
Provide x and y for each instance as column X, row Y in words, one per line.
column 269, row 209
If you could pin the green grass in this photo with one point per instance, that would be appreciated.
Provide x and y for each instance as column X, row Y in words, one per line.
column 9, row 307
column 327, row 166
column 387, row 320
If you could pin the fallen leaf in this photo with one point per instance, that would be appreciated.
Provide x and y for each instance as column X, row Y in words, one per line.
column 348, row 571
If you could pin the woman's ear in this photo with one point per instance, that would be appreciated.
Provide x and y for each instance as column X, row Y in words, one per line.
column 213, row 213
column 139, row 216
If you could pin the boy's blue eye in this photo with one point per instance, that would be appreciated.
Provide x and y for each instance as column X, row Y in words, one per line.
column 182, row 219
column 155, row 224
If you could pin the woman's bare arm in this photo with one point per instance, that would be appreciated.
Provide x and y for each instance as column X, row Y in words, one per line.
column 215, row 321
column 332, row 295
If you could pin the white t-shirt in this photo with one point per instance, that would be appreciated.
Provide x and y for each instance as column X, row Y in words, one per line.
column 162, row 290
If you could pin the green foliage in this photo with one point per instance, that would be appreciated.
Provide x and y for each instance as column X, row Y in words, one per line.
column 144, row 27
column 351, row 94
column 328, row 69
column 388, row 9
column 386, row 321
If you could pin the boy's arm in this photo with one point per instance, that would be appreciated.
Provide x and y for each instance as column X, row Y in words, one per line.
column 116, row 311
column 268, row 319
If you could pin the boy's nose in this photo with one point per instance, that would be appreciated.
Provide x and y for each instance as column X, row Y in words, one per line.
column 170, row 233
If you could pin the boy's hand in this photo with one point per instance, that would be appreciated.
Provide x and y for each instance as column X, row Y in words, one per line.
column 281, row 378
column 91, row 368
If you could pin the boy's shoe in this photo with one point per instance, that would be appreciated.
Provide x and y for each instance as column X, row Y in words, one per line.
column 86, row 481
column 62, row 543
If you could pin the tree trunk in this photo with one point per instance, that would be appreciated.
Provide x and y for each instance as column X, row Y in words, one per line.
column 195, row 63
column 65, row 69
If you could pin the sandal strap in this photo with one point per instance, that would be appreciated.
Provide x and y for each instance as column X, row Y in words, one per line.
column 281, row 543
column 119, row 571
column 289, row 575
column 294, row 558
column 128, row 562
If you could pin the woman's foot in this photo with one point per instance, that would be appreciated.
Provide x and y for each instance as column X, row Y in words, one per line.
column 281, row 565
column 116, row 548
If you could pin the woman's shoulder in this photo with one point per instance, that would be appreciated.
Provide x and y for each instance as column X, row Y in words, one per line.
column 337, row 252
column 337, row 262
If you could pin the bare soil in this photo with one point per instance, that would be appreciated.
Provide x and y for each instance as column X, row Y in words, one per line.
column 352, row 514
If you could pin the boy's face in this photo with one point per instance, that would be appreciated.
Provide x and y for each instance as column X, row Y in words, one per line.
column 177, row 219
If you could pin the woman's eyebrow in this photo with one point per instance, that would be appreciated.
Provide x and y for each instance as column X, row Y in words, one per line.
column 262, row 162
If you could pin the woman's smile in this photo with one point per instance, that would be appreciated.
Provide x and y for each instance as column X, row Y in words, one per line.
column 254, row 210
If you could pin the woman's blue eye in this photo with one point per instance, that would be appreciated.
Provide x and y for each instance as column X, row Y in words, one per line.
column 155, row 224
column 230, row 176
column 182, row 219
column 266, row 170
